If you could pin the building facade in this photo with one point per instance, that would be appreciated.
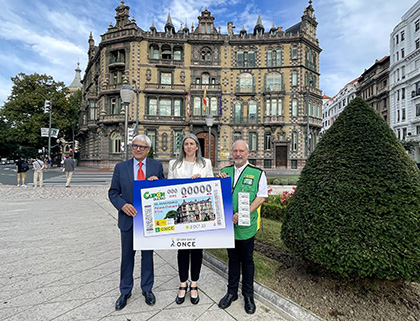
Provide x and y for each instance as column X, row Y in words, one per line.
column 405, row 78
column 261, row 87
column 373, row 86
column 332, row 107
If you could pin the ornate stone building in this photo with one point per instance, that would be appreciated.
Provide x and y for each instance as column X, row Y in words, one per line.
column 195, row 211
column 373, row 86
column 257, row 87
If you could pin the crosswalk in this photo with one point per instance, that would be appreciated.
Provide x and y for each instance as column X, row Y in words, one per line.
column 80, row 178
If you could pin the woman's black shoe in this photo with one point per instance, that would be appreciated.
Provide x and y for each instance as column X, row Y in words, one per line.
column 180, row 300
column 197, row 299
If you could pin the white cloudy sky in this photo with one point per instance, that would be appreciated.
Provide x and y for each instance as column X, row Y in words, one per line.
column 50, row 36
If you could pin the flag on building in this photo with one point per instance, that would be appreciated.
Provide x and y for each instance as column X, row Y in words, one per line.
column 205, row 100
column 221, row 105
column 188, row 103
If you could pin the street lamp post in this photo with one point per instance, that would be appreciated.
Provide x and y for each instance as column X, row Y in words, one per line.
column 308, row 135
column 209, row 123
column 127, row 96
column 49, row 128
column 137, row 109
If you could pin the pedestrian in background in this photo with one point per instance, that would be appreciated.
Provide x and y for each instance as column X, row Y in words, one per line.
column 38, row 166
column 189, row 164
column 68, row 166
column 21, row 167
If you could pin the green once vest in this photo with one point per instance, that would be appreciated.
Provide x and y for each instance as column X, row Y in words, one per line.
column 247, row 182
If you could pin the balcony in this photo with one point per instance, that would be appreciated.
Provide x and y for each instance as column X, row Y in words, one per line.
column 166, row 62
column 245, row 90
column 116, row 65
column 245, row 120
column 313, row 121
column 164, row 119
column 112, row 87
column 201, row 119
column 275, row 89
column 114, row 118
column 277, row 119
column 153, row 87
column 208, row 87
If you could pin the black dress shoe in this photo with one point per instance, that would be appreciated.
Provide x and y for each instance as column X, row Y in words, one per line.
column 179, row 299
column 150, row 297
column 249, row 305
column 227, row 300
column 196, row 299
column 122, row 301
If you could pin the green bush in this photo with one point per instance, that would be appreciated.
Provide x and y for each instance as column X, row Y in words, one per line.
column 272, row 211
column 292, row 180
column 356, row 209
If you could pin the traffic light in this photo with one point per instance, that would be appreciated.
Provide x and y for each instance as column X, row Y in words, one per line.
column 47, row 106
column 178, row 141
column 76, row 146
column 130, row 135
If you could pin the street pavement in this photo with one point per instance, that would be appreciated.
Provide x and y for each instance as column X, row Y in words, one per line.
column 91, row 176
column 60, row 254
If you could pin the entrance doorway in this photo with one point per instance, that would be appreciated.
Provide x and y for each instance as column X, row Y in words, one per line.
column 203, row 139
column 281, row 156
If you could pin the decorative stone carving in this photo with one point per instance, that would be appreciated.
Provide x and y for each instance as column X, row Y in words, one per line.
column 148, row 74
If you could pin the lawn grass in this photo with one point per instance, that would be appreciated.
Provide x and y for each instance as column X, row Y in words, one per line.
column 269, row 233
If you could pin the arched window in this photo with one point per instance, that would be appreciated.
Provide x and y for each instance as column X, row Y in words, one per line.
column 166, row 52
column 154, row 52
column 205, row 78
column 115, row 142
column 246, row 82
column 294, row 107
column 237, row 116
column 274, row 81
column 205, row 54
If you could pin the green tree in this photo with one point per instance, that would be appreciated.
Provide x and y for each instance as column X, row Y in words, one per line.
column 22, row 115
column 171, row 214
column 356, row 209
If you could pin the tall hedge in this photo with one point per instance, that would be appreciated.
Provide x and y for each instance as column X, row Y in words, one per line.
column 356, row 208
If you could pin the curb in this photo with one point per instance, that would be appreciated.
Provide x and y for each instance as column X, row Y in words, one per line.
column 277, row 302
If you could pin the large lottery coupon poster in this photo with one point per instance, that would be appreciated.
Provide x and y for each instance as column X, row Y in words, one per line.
column 183, row 213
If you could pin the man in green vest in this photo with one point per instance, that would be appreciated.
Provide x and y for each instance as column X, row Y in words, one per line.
column 249, row 190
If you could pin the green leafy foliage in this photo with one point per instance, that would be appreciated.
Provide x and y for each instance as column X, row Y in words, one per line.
column 23, row 116
column 356, row 209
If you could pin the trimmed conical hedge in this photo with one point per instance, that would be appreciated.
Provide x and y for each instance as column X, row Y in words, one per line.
column 356, row 208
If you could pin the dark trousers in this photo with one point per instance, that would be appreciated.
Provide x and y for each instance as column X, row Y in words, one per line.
column 184, row 262
column 242, row 255
column 127, row 265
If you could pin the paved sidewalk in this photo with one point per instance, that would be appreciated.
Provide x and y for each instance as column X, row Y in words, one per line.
column 60, row 258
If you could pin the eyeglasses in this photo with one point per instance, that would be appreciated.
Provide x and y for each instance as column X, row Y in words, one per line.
column 140, row 147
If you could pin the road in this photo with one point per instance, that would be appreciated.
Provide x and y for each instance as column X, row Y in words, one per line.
column 90, row 176
column 55, row 177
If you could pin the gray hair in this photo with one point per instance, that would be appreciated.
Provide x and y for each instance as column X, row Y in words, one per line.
column 143, row 138
column 198, row 158
column 240, row 140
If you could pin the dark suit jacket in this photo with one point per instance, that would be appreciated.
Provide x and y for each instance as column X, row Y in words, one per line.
column 121, row 190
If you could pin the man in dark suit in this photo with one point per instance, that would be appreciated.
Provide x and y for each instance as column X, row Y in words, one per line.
column 121, row 196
